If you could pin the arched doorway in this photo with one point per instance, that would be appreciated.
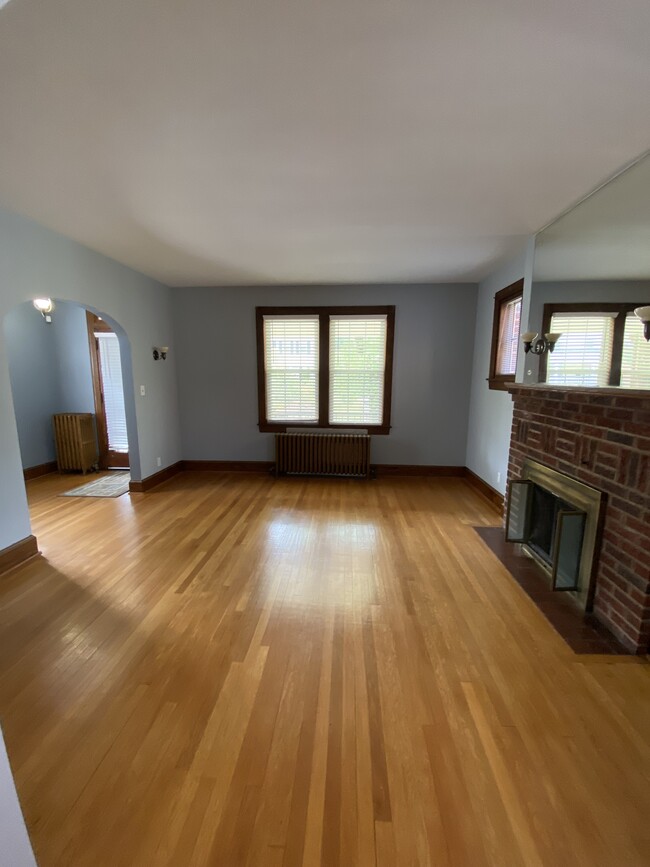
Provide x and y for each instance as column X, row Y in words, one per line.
column 51, row 371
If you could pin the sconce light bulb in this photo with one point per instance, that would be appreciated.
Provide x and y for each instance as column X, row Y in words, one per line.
column 644, row 315
column 43, row 305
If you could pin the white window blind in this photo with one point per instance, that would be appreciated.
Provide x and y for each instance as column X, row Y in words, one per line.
column 291, row 368
column 508, row 337
column 583, row 355
column 357, row 365
column 635, row 365
column 113, row 390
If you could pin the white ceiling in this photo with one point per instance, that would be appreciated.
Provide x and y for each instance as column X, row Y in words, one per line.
column 606, row 237
column 250, row 141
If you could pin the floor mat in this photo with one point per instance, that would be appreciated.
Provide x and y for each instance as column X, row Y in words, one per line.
column 107, row 486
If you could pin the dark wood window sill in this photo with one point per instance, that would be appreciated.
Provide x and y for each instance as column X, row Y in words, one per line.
column 281, row 427
column 500, row 383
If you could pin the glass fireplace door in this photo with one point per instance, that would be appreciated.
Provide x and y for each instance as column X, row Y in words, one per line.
column 569, row 535
column 520, row 500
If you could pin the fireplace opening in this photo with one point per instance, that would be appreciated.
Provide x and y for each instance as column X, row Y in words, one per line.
column 545, row 508
column 542, row 521
column 556, row 519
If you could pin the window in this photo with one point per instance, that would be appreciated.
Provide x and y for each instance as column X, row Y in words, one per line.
column 110, row 366
column 602, row 345
column 635, row 362
column 357, row 365
column 291, row 365
column 505, row 335
column 325, row 367
column 583, row 355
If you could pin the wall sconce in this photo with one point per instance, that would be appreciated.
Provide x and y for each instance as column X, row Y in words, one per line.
column 160, row 352
column 45, row 306
column 540, row 345
column 644, row 315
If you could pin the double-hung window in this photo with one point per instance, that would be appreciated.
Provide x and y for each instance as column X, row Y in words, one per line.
column 505, row 335
column 583, row 355
column 291, row 368
column 325, row 367
column 601, row 345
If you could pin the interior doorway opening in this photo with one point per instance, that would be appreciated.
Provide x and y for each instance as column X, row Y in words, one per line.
column 75, row 361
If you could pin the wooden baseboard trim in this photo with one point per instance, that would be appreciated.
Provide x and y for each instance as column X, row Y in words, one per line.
column 18, row 553
column 228, row 466
column 41, row 470
column 145, row 485
column 494, row 497
column 416, row 470
column 267, row 466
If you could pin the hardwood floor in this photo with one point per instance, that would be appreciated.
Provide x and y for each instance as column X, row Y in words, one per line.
column 234, row 670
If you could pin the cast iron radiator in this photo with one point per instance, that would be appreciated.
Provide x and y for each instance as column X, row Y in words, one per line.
column 322, row 454
column 76, row 445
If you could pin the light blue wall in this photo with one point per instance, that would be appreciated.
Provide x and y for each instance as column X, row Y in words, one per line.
column 35, row 262
column 490, row 415
column 31, row 350
column 217, row 368
column 73, row 359
column 49, row 368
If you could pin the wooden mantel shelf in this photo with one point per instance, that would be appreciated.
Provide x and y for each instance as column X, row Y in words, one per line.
column 573, row 391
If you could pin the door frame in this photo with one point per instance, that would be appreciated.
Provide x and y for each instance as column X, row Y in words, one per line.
column 107, row 457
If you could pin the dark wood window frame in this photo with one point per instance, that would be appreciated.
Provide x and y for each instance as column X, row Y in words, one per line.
column 503, row 296
column 324, row 314
column 593, row 307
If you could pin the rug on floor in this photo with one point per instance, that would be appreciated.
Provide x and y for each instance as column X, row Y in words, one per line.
column 108, row 486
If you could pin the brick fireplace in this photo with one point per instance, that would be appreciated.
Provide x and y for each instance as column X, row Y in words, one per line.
column 600, row 437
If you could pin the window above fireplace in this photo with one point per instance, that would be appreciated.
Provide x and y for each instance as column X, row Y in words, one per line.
column 601, row 345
